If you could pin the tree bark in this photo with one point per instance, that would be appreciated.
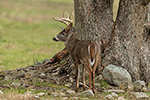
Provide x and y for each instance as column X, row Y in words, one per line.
column 126, row 42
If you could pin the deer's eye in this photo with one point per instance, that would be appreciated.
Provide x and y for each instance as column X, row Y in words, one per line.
column 63, row 33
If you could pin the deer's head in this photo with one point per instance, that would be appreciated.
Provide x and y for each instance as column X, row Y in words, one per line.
column 65, row 32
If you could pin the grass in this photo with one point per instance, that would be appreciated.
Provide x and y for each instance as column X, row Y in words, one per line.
column 27, row 29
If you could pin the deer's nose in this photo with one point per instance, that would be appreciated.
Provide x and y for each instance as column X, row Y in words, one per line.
column 55, row 39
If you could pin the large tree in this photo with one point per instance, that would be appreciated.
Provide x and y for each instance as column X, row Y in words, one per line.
column 125, row 42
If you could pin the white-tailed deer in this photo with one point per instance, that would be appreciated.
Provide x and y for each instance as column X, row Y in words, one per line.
column 85, row 52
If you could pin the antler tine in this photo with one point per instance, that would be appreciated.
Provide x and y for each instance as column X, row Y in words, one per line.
column 66, row 20
column 67, row 14
column 71, row 16
column 61, row 20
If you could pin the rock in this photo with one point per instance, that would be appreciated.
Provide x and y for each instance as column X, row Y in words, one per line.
column 62, row 94
column 68, row 84
column 109, row 97
column 144, row 89
column 65, row 98
column 28, row 94
column 71, row 79
column 41, row 94
column 87, row 93
column 139, row 95
column 70, row 91
column 45, row 60
column 121, row 98
column 98, row 78
column 97, row 84
column 75, row 98
column 16, row 84
column 21, row 74
column 8, row 77
column 54, row 94
column 116, row 75
column 36, row 96
column 1, row 92
column 115, row 91
column 38, row 63
column 139, row 85
column 130, row 88
column 114, row 94
column 42, row 75
column 56, row 71
column 81, row 84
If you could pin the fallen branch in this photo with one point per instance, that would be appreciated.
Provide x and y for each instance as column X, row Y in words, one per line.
column 58, row 57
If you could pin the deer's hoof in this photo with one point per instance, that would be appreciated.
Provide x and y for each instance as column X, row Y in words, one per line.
column 84, row 87
column 93, row 91
column 76, row 89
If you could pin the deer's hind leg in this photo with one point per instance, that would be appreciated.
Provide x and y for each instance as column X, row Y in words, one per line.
column 89, row 70
column 93, row 74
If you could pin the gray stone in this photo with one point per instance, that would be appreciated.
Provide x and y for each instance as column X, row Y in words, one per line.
column 139, row 85
column 1, row 92
column 38, row 63
column 68, row 84
column 130, row 88
column 139, row 95
column 36, row 96
column 109, row 97
column 121, row 98
column 115, row 91
column 116, row 75
column 71, row 79
column 65, row 98
column 144, row 89
column 21, row 74
column 75, row 98
column 54, row 94
column 45, row 60
column 8, row 77
column 41, row 94
column 114, row 94
column 62, row 94
column 16, row 84
column 42, row 75
column 28, row 94
column 70, row 91
column 87, row 93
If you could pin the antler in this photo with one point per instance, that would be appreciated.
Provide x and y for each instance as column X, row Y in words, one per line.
column 66, row 20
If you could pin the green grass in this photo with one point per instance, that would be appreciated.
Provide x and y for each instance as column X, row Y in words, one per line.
column 27, row 29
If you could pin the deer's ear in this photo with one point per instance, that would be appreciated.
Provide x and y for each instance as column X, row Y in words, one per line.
column 62, row 28
column 68, row 27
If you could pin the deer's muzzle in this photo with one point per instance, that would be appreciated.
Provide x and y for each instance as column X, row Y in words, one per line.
column 55, row 39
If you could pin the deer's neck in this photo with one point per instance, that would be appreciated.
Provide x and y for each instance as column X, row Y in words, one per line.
column 71, row 42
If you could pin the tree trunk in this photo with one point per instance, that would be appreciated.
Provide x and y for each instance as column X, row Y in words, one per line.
column 126, row 42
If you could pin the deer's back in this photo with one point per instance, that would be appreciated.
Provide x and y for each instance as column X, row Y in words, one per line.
column 84, row 49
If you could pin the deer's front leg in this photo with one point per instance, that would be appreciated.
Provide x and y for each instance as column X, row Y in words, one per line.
column 83, row 76
column 77, row 76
